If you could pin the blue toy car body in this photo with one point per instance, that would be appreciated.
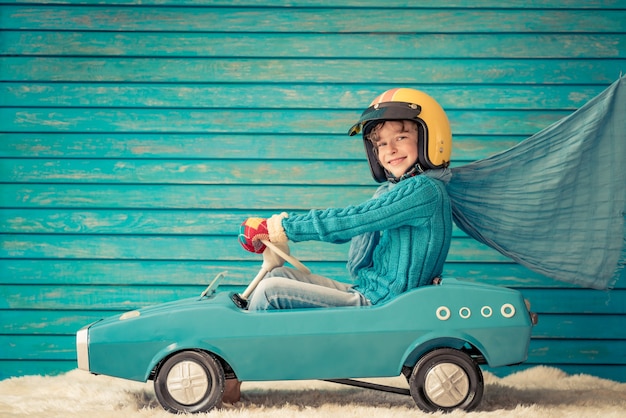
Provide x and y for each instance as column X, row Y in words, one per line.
column 435, row 335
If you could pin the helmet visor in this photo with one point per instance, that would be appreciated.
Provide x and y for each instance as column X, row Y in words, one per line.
column 386, row 111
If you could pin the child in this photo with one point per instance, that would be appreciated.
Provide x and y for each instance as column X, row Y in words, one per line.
column 400, row 237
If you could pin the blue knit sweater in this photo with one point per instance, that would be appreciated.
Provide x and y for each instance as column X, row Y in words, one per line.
column 400, row 237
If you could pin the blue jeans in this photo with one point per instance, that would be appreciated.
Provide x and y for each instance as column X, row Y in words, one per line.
column 287, row 288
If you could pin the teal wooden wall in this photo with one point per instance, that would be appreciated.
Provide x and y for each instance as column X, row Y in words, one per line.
column 135, row 136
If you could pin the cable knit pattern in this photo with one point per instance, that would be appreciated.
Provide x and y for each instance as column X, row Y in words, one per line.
column 411, row 224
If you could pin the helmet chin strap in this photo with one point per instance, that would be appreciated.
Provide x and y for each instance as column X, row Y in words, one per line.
column 416, row 170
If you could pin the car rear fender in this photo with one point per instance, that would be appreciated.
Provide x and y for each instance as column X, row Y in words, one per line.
column 431, row 341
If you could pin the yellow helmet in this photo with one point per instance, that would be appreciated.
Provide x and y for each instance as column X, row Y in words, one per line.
column 434, row 136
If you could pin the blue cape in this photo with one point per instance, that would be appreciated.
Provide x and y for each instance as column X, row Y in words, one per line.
column 556, row 201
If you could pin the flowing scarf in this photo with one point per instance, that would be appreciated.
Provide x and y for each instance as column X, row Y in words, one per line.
column 555, row 202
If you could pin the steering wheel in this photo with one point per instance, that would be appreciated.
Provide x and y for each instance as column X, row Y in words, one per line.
column 273, row 256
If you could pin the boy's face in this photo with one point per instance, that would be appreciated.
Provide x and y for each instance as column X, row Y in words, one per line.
column 397, row 146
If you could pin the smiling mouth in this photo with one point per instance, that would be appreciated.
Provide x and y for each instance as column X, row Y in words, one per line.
column 396, row 161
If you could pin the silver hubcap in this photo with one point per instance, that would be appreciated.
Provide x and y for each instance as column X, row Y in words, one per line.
column 187, row 382
column 446, row 384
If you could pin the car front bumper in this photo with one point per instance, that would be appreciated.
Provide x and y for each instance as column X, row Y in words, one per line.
column 82, row 348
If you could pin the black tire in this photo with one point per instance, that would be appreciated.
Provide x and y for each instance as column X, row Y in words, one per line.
column 190, row 381
column 446, row 379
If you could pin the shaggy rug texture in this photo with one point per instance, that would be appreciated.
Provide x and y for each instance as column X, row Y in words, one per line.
column 537, row 392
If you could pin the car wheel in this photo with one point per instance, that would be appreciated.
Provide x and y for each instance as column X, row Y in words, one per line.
column 190, row 381
column 446, row 379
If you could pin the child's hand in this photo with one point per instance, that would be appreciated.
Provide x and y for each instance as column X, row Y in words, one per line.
column 251, row 232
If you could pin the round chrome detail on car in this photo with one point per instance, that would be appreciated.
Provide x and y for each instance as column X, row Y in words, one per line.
column 465, row 312
column 446, row 384
column 443, row 313
column 507, row 310
column 486, row 311
column 187, row 382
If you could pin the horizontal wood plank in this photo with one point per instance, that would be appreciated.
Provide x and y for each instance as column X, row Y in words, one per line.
column 196, row 248
column 261, row 121
column 200, row 272
column 238, row 272
column 577, row 352
column 15, row 368
column 371, row 45
column 243, row 146
column 218, row 172
column 125, row 247
column 286, row 96
column 231, row 146
column 391, row 4
column 317, row 20
column 131, row 222
column 576, row 301
column 580, row 326
column 30, row 347
column 276, row 198
column 272, row 70
column 126, row 222
column 44, row 322
column 143, row 272
column 96, row 297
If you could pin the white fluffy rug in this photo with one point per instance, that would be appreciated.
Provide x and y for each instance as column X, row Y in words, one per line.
column 537, row 392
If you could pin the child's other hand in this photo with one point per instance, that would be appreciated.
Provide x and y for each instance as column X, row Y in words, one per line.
column 251, row 232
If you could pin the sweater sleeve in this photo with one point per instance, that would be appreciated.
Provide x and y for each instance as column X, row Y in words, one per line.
column 410, row 202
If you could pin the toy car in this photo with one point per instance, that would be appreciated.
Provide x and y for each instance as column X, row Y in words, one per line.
column 437, row 336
